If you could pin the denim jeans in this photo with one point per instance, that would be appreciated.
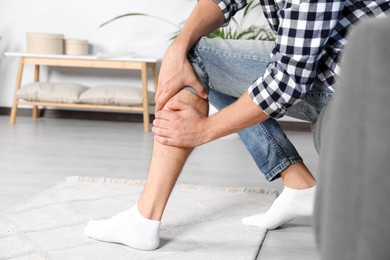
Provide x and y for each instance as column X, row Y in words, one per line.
column 226, row 68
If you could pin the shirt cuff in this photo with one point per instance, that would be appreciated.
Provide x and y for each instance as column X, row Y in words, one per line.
column 261, row 97
column 224, row 9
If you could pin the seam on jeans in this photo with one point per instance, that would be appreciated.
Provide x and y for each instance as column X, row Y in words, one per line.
column 278, row 169
column 272, row 141
column 319, row 94
column 301, row 108
column 285, row 161
column 194, row 57
column 295, row 159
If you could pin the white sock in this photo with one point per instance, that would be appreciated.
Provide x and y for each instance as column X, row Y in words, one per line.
column 289, row 205
column 129, row 228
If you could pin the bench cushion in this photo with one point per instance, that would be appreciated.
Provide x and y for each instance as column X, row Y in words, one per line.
column 114, row 95
column 51, row 92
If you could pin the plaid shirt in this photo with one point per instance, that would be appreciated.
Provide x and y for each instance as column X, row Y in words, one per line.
column 310, row 35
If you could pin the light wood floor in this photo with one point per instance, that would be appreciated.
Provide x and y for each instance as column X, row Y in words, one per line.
column 34, row 157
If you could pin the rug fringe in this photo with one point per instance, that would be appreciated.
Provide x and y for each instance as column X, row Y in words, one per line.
column 185, row 186
column 106, row 180
column 227, row 189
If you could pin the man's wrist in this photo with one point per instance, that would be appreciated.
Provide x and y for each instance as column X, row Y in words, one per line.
column 181, row 45
column 213, row 129
column 241, row 114
column 178, row 49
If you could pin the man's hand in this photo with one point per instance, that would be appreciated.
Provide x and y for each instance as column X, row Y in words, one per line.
column 181, row 125
column 176, row 72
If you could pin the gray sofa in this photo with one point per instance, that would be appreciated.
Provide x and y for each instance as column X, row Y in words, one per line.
column 352, row 216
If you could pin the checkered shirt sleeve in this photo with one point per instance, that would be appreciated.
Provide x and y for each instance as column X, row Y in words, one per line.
column 309, row 37
column 303, row 28
column 230, row 8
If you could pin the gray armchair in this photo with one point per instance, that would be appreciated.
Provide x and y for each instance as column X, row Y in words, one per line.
column 352, row 216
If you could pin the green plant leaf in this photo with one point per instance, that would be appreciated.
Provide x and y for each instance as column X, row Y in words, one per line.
column 234, row 30
column 138, row 14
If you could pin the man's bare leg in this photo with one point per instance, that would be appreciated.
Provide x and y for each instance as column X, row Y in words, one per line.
column 165, row 167
column 298, row 177
column 139, row 226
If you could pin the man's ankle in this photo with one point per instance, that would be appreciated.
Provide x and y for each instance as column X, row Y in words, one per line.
column 298, row 177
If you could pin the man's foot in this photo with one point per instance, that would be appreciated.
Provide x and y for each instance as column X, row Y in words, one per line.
column 289, row 205
column 129, row 228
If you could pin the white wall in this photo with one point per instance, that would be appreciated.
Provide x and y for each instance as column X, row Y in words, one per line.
column 81, row 19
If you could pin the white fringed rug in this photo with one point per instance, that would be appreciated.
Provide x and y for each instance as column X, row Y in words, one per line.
column 199, row 222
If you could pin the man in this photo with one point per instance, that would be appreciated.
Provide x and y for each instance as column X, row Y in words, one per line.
column 296, row 80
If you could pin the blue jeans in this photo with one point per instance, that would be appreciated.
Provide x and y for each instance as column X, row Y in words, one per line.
column 226, row 68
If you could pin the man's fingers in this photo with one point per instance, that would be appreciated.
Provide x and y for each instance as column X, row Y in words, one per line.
column 177, row 105
column 162, row 132
column 200, row 89
column 161, row 123
column 162, row 99
column 163, row 115
column 161, row 135
column 157, row 99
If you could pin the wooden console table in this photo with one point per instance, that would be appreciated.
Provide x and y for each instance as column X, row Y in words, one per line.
column 141, row 64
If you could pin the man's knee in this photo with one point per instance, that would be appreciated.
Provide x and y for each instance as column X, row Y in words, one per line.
column 191, row 98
